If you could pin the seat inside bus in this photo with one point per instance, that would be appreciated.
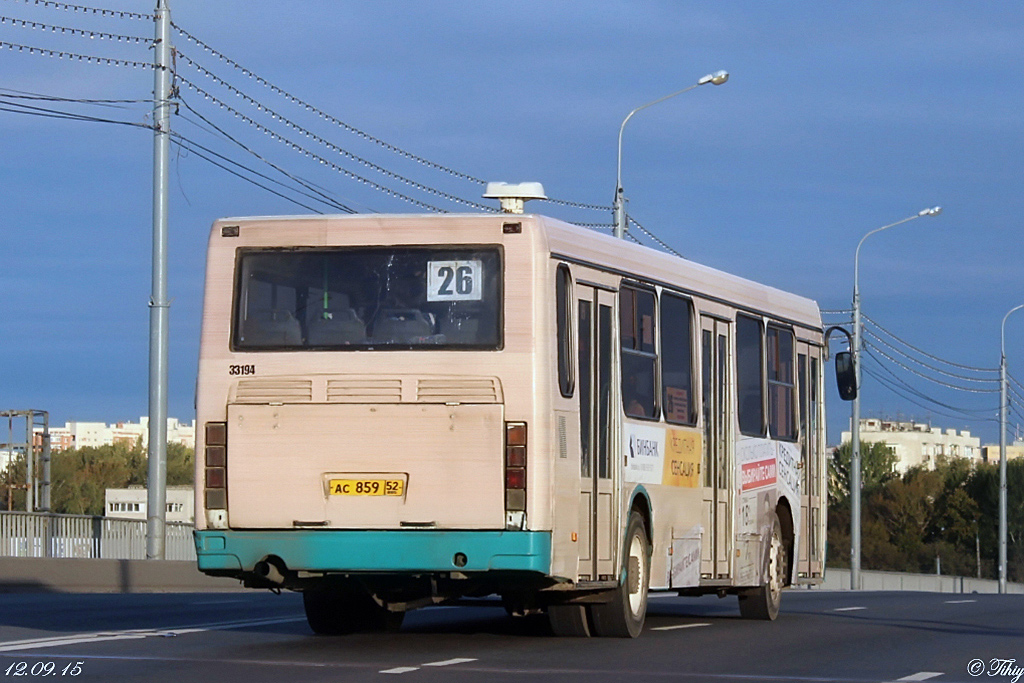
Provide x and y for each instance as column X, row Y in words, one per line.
column 272, row 327
column 401, row 326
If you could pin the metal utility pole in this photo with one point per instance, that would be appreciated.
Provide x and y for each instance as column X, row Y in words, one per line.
column 855, row 465
column 156, row 501
column 1002, row 451
column 37, row 491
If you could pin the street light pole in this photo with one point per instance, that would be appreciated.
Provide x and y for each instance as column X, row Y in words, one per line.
column 855, row 469
column 618, row 204
column 156, row 480
column 1002, row 450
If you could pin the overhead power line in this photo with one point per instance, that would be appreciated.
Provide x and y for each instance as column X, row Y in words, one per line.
column 302, row 150
column 945, row 373
column 64, row 30
column 82, row 9
column 925, row 353
column 316, row 195
column 322, row 114
column 75, row 56
column 319, row 139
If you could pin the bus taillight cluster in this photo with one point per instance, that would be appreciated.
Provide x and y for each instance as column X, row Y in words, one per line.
column 515, row 466
column 216, row 456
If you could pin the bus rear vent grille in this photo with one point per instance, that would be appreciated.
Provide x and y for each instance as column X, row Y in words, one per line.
column 364, row 390
column 274, row 390
column 458, row 390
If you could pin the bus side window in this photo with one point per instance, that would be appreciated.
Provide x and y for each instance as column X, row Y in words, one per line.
column 749, row 376
column 676, row 360
column 563, row 309
column 639, row 358
column 781, row 384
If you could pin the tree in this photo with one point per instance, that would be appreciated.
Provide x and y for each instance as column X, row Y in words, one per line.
column 81, row 476
column 877, row 464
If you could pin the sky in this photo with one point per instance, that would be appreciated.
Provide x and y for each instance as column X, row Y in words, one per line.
column 838, row 118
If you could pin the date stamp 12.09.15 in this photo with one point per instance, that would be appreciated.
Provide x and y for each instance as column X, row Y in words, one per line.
column 43, row 669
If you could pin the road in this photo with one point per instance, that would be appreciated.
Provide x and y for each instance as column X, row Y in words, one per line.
column 259, row 637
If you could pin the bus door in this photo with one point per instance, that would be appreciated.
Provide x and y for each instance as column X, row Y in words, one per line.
column 810, row 558
column 716, row 464
column 598, row 537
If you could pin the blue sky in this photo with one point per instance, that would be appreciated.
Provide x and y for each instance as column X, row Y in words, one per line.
column 838, row 118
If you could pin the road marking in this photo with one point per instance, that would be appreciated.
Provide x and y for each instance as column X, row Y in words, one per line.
column 449, row 662
column 848, row 609
column 134, row 634
column 677, row 626
column 920, row 676
column 959, row 602
column 443, row 662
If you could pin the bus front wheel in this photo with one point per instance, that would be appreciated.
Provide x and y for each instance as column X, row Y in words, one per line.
column 764, row 601
column 623, row 617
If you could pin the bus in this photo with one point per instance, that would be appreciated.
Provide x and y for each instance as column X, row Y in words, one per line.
column 400, row 411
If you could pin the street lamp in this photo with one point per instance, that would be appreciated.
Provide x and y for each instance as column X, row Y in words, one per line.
column 855, row 418
column 618, row 205
column 1002, row 451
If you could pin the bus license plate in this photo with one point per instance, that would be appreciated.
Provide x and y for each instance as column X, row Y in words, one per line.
column 367, row 487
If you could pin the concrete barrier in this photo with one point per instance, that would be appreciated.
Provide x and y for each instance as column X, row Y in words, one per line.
column 31, row 574
column 839, row 579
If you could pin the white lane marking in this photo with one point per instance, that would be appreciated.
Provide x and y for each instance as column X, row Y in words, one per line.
column 920, row 676
column 848, row 609
column 104, row 636
column 677, row 626
column 657, row 596
column 959, row 602
column 449, row 662
column 443, row 662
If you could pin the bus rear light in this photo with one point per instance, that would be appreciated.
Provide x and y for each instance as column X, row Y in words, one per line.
column 215, row 459
column 216, row 478
column 515, row 434
column 515, row 478
column 216, row 434
column 515, row 467
column 515, row 456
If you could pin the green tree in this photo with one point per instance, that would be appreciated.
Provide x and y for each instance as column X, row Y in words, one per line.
column 81, row 476
column 877, row 464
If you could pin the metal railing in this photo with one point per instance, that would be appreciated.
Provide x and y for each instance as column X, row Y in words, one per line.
column 30, row 534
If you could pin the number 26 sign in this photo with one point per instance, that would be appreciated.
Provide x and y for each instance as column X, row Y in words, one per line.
column 454, row 281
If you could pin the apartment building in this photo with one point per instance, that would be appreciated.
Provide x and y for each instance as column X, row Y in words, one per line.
column 96, row 434
column 918, row 444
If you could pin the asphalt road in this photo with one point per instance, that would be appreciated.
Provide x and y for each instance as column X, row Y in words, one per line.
column 259, row 637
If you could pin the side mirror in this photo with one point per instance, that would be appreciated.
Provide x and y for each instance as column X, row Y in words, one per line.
column 846, row 376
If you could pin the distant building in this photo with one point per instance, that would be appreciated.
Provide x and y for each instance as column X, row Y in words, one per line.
column 130, row 503
column 96, row 434
column 990, row 452
column 917, row 444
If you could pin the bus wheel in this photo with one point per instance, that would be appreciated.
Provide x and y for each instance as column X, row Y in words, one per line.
column 623, row 617
column 569, row 621
column 764, row 601
column 337, row 610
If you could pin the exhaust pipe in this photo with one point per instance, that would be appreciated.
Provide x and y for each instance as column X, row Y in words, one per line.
column 269, row 571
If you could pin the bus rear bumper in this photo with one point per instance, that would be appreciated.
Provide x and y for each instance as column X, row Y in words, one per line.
column 316, row 550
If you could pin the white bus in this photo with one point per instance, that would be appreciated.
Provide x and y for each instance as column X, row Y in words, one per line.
column 402, row 410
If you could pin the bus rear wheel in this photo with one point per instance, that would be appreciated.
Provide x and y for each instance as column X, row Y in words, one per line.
column 623, row 617
column 339, row 610
column 569, row 621
column 764, row 601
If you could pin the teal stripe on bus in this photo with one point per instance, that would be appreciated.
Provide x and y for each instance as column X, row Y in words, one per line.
column 427, row 550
